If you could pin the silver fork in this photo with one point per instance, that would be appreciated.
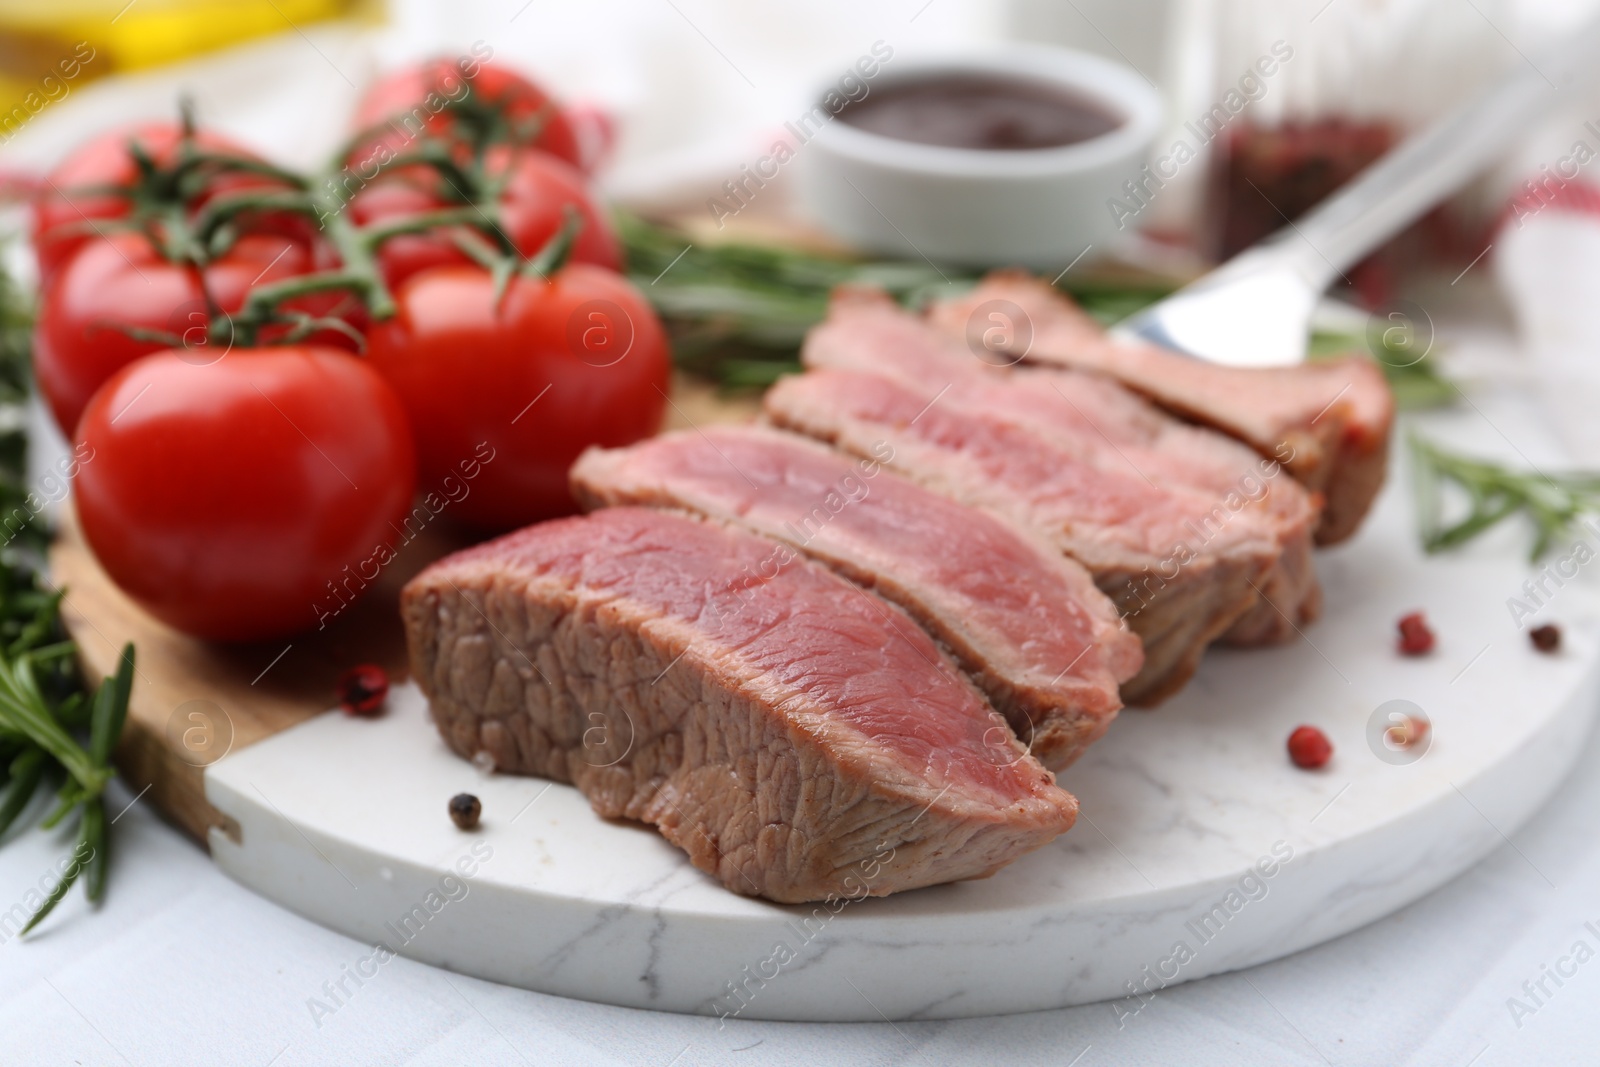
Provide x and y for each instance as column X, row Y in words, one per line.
column 1255, row 310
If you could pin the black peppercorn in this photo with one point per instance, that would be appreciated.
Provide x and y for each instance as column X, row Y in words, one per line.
column 465, row 810
column 1546, row 638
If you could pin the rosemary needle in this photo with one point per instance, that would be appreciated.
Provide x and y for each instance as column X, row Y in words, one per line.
column 1494, row 493
column 44, row 705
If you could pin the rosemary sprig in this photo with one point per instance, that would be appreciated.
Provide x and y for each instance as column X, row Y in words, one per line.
column 737, row 313
column 44, row 707
column 1416, row 382
column 1493, row 493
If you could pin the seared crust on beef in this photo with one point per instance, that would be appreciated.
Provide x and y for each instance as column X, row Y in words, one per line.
column 798, row 738
column 1098, row 420
column 1327, row 422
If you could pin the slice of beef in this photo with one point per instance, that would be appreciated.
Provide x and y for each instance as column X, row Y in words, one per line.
column 1328, row 422
column 797, row 736
column 1099, row 419
column 1179, row 568
column 1027, row 624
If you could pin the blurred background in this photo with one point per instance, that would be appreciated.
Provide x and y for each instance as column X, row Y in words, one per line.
column 690, row 89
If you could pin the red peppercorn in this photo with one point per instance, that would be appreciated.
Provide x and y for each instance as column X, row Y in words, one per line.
column 1309, row 747
column 361, row 690
column 1408, row 732
column 1546, row 638
column 1415, row 637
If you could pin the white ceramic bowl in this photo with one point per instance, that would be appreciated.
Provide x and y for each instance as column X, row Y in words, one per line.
column 1036, row 207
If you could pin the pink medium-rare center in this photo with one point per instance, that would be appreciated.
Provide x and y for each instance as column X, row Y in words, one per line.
column 1026, row 623
column 782, row 730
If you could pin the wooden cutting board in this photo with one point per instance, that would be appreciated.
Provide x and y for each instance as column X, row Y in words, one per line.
column 195, row 702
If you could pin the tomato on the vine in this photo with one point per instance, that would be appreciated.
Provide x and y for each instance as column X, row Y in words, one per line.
column 247, row 499
column 417, row 99
column 95, row 185
column 535, row 189
column 554, row 367
column 122, row 282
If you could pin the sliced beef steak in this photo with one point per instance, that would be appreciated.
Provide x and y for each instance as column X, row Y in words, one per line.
column 1178, row 575
column 1327, row 422
column 1099, row 419
column 797, row 736
column 1026, row 623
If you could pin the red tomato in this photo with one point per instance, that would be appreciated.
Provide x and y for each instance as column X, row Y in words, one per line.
column 502, row 401
column 74, row 196
column 247, row 499
column 537, row 189
column 414, row 100
column 122, row 281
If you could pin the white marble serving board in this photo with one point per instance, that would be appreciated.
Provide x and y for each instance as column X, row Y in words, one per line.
column 343, row 820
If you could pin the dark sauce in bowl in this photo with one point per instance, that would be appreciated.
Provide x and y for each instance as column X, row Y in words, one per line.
column 981, row 111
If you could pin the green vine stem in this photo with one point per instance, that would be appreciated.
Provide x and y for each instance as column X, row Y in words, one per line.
column 360, row 273
column 261, row 306
column 556, row 251
column 160, row 197
column 224, row 209
column 375, row 235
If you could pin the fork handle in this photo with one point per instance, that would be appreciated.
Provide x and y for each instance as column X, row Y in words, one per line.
column 1431, row 164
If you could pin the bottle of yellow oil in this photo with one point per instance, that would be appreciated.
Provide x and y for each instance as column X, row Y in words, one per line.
column 48, row 47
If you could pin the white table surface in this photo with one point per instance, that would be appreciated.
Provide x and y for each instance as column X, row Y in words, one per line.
column 181, row 966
